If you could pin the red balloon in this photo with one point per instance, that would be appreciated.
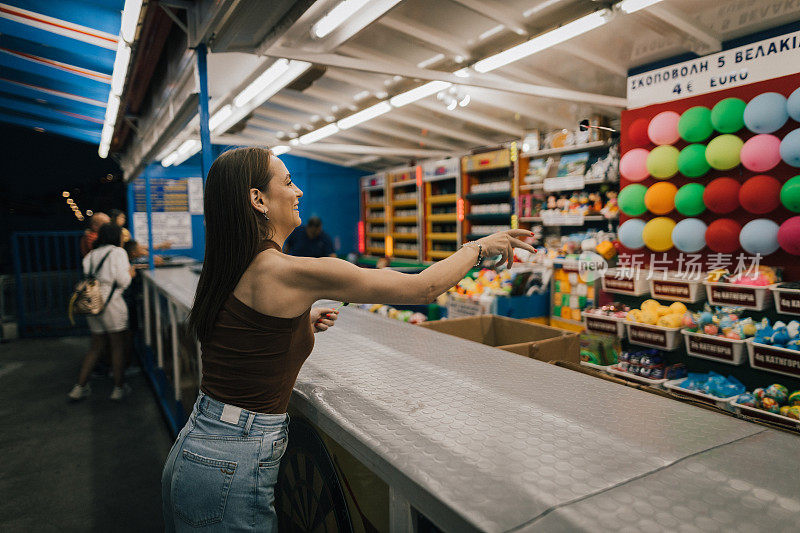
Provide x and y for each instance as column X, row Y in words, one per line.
column 760, row 194
column 789, row 236
column 637, row 133
column 723, row 235
column 722, row 195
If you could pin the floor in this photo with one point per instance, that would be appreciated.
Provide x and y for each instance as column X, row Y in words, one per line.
column 89, row 466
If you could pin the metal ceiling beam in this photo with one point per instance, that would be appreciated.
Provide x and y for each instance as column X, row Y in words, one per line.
column 527, row 75
column 425, row 124
column 595, row 58
column 372, row 150
column 394, row 131
column 415, row 29
column 687, row 26
column 496, row 11
column 473, row 117
column 475, row 80
column 521, row 105
column 356, row 79
column 362, row 160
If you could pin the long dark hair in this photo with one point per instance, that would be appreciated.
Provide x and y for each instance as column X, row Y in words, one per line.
column 108, row 234
column 233, row 230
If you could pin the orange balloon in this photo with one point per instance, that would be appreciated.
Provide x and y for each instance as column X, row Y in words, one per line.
column 660, row 198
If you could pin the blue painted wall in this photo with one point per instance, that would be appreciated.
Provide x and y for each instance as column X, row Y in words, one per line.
column 329, row 192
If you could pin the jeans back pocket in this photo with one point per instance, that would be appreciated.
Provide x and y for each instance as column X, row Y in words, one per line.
column 201, row 488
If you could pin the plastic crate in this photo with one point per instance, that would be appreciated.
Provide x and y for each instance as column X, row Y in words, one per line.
column 680, row 392
column 604, row 325
column 628, row 284
column 715, row 348
column 787, row 301
column 760, row 414
column 653, row 336
column 744, row 296
column 774, row 359
column 633, row 377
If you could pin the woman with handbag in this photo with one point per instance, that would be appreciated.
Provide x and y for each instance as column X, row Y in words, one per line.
column 108, row 264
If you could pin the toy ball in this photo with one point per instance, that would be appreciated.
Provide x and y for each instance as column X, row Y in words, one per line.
column 677, row 308
column 733, row 335
column 785, row 410
column 759, row 393
column 630, row 233
column 633, row 165
column 692, row 161
column 688, row 321
column 747, row 399
column 761, row 153
column 790, row 148
column 759, row 236
column 631, row 200
column 695, row 124
column 768, row 404
column 790, row 194
column 722, row 153
column 793, row 412
column 637, row 132
column 777, row 392
column 793, row 104
column 794, row 398
column 766, row 113
column 705, row 318
column 650, row 305
column 689, row 200
column 662, row 162
column 689, row 235
column 760, row 194
column 722, row 195
column 722, row 235
column 660, row 198
column 728, row 115
column 657, row 234
column 711, row 329
column 663, row 129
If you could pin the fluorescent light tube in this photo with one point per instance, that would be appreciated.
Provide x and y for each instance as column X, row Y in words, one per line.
column 280, row 149
column 120, row 68
column 219, row 117
column 420, row 92
column 544, row 41
column 188, row 146
column 167, row 161
column 112, row 108
column 102, row 151
column 336, row 17
column 130, row 18
column 314, row 136
column 631, row 6
column 262, row 82
column 362, row 116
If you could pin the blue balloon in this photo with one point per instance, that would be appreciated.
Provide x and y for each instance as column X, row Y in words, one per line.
column 759, row 236
column 790, row 148
column 793, row 105
column 689, row 235
column 630, row 233
column 766, row 113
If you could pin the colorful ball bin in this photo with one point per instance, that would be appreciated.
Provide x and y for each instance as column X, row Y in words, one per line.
column 790, row 194
column 633, row 165
column 722, row 195
column 663, row 128
column 631, row 200
column 789, row 236
column 761, row 153
column 692, row 161
column 689, row 200
column 637, row 133
column 722, row 153
column 728, row 115
column 766, row 113
column 689, row 235
column 759, row 236
column 657, row 234
column 790, row 148
column 660, row 198
column 695, row 124
column 630, row 233
column 760, row 194
column 662, row 162
column 793, row 105
column 722, row 235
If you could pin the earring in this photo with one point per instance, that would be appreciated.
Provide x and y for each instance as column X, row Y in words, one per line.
column 265, row 216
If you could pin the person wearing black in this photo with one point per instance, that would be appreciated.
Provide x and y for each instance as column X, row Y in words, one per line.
column 310, row 241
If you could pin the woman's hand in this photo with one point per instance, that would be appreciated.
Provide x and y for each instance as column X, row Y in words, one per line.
column 323, row 318
column 503, row 243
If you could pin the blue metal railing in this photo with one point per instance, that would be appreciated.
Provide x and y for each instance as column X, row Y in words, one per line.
column 47, row 264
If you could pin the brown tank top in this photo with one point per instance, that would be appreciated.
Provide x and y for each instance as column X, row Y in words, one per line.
column 251, row 360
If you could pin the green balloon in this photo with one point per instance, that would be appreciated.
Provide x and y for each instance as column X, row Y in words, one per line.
column 790, row 194
column 692, row 161
column 722, row 153
column 695, row 124
column 662, row 161
column 631, row 200
column 728, row 115
column 689, row 200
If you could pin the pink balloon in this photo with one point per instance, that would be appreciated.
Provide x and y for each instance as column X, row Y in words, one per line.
column 789, row 236
column 761, row 153
column 633, row 165
column 663, row 129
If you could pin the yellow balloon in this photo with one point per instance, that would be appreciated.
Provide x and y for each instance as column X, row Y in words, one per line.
column 657, row 234
column 677, row 308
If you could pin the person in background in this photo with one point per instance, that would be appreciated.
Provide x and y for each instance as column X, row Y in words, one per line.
column 310, row 241
column 120, row 219
column 90, row 235
column 110, row 327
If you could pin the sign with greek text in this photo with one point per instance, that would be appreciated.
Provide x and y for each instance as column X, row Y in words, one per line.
column 671, row 290
column 648, row 336
column 727, row 295
column 751, row 63
column 788, row 302
column 780, row 360
column 601, row 325
column 710, row 348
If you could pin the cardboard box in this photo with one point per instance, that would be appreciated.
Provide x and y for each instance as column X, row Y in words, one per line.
column 518, row 336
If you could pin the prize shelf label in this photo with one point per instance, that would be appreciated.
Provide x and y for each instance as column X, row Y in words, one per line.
column 671, row 289
column 717, row 349
column 741, row 296
column 789, row 302
column 620, row 285
column 649, row 337
column 776, row 359
column 600, row 325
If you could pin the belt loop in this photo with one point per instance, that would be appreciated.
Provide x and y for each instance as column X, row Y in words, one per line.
column 250, row 417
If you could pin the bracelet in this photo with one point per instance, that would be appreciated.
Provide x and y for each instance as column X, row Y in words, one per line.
column 480, row 251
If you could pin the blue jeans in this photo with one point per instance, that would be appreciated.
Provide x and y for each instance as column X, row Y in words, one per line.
column 221, row 472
